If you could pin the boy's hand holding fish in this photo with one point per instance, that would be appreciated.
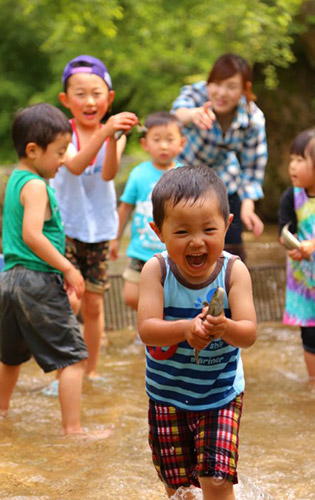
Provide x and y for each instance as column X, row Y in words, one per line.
column 206, row 326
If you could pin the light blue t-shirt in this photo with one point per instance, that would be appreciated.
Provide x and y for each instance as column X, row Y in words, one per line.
column 143, row 241
column 87, row 203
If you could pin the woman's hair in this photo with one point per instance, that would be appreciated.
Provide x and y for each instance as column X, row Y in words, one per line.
column 228, row 65
column 39, row 123
column 188, row 183
column 304, row 144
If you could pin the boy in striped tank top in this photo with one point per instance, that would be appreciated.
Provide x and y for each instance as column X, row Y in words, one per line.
column 297, row 206
column 194, row 409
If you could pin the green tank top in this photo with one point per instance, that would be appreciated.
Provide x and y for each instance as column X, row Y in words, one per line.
column 15, row 251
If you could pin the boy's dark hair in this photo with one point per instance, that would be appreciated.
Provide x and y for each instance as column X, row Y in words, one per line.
column 39, row 123
column 304, row 144
column 188, row 183
column 228, row 65
column 161, row 118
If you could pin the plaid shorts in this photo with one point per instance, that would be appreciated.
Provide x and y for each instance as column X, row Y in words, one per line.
column 189, row 444
column 91, row 259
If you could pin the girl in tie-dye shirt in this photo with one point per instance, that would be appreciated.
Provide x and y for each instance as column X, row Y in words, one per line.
column 297, row 206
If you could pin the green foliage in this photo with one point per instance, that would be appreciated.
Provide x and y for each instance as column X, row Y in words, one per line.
column 151, row 47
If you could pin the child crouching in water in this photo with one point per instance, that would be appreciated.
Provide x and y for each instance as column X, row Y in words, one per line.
column 297, row 207
column 35, row 314
column 194, row 409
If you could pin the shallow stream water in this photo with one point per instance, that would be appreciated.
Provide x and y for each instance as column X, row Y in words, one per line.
column 277, row 437
column 277, row 450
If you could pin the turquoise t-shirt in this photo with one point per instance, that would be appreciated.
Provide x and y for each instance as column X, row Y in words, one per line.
column 143, row 241
column 15, row 250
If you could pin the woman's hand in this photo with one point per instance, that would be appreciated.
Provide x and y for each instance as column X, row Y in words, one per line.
column 251, row 220
column 203, row 116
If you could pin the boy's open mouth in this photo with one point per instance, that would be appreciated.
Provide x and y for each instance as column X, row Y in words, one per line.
column 196, row 260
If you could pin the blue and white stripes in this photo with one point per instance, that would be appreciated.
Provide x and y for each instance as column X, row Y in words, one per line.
column 172, row 375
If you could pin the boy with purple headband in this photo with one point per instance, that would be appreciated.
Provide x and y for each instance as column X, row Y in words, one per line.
column 85, row 189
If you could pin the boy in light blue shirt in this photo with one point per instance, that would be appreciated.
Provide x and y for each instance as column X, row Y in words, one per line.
column 163, row 140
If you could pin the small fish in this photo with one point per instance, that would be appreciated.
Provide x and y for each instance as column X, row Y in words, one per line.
column 141, row 130
column 290, row 241
column 118, row 134
column 215, row 308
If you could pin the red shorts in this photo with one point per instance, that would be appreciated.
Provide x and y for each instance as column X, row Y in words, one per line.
column 189, row 444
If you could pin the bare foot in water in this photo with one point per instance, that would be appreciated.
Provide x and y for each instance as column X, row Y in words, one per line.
column 95, row 377
column 87, row 435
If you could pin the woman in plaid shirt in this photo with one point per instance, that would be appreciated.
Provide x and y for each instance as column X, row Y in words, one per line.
column 225, row 130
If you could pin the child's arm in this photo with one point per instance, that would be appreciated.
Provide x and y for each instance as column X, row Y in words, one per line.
column 240, row 330
column 34, row 198
column 307, row 248
column 124, row 213
column 122, row 121
column 153, row 329
column 77, row 161
column 305, row 251
column 114, row 151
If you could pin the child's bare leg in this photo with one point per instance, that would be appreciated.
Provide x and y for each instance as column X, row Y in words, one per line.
column 170, row 492
column 216, row 489
column 131, row 294
column 75, row 304
column 94, row 324
column 70, row 388
column 309, row 358
column 8, row 379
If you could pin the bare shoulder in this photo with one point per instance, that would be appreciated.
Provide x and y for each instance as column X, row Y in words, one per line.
column 240, row 275
column 151, row 269
column 33, row 189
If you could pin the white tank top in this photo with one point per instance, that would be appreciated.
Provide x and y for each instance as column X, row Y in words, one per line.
column 87, row 203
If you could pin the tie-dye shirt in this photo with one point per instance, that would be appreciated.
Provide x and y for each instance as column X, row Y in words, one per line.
column 300, row 290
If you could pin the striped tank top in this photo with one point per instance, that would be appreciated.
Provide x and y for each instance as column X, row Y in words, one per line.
column 172, row 376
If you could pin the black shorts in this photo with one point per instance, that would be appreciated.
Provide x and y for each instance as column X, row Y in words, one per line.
column 308, row 338
column 233, row 238
column 36, row 319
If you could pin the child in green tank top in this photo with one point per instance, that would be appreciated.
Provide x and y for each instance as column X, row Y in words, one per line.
column 35, row 315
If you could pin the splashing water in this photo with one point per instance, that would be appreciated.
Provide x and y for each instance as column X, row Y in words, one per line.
column 276, row 435
column 245, row 490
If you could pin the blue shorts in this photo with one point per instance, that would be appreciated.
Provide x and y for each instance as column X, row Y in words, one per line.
column 36, row 319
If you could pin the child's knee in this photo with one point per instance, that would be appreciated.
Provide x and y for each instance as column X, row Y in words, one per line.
column 79, row 366
column 93, row 305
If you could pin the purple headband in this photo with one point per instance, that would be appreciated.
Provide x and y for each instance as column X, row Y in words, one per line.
column 90, row 64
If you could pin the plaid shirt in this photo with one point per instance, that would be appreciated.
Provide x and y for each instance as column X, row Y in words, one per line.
column 239, row 156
